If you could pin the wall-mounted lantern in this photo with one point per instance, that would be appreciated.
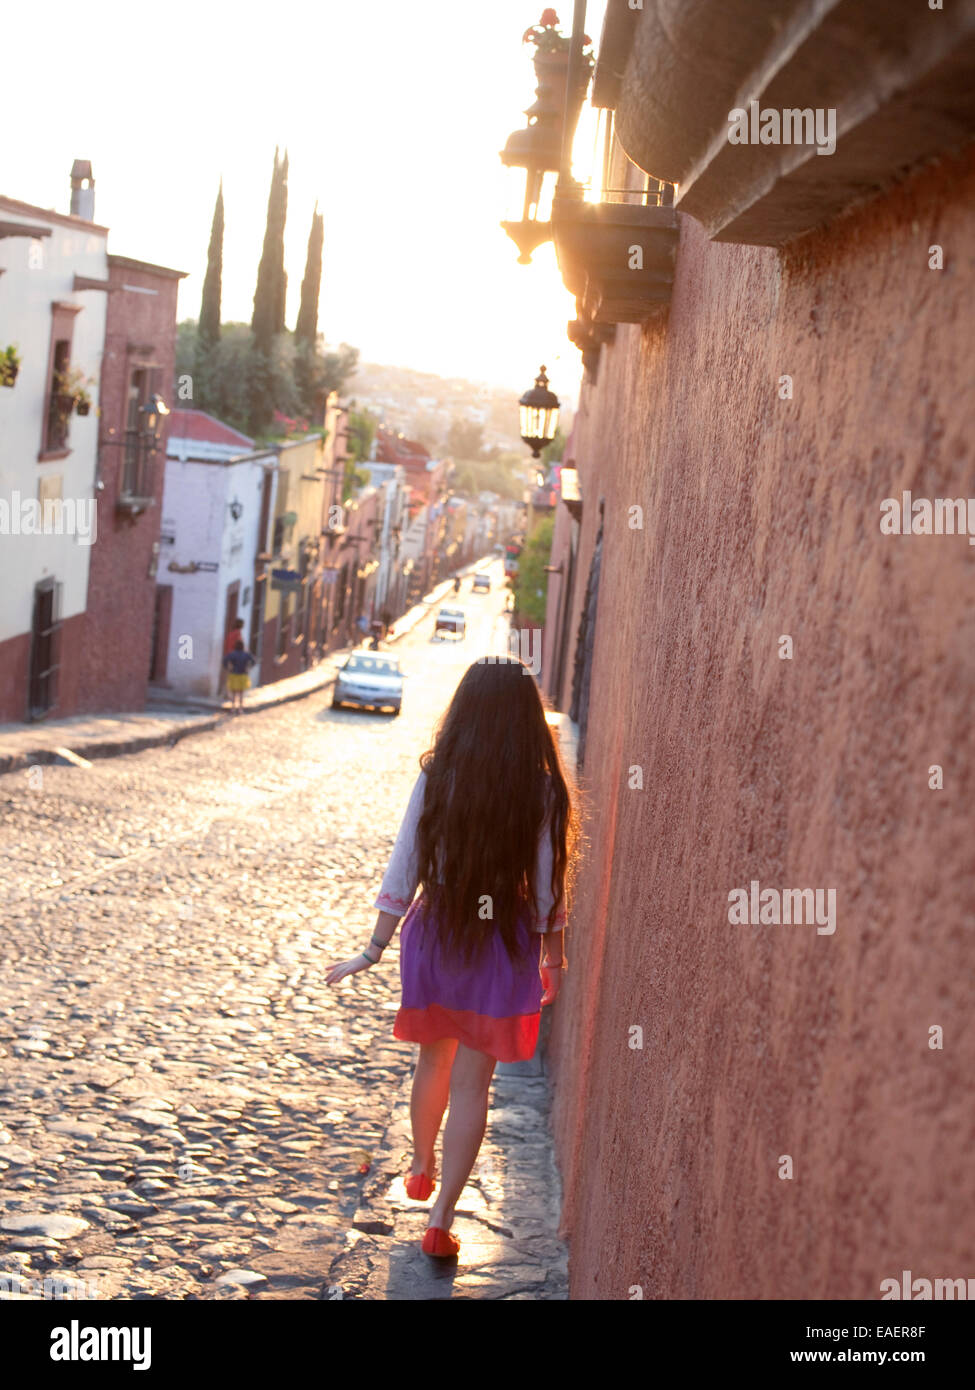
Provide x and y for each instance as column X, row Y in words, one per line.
column 151, row 415
column 539, row 149
column 594, row 241
column 539, row 409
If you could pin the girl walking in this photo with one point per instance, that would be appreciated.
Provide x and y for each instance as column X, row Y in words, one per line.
column 487, row 838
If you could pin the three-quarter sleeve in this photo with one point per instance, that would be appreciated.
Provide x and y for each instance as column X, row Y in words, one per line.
column 401, row 878
column 543, row 883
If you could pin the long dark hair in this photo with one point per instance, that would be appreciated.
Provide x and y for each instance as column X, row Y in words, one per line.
column 493, row 774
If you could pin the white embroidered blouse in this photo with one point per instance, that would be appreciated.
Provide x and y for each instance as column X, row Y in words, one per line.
column 400, row 881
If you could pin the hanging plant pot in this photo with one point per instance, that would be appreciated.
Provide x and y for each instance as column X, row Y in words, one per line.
column 552, row 71
column 9, row 365
column 83, row 407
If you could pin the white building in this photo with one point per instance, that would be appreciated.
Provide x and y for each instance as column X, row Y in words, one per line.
column 53, row 274
column 218, row 501
column 390, row 479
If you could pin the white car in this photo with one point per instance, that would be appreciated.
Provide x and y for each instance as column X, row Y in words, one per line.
column 450, row 620
column 481, row 584
column 369, row 681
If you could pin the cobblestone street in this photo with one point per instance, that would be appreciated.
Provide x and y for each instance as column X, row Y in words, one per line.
column 187, row 1111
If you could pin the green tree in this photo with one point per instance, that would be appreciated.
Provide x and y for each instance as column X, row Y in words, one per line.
column 465, row 439
column 552, row 453
column 281, row 276
column 308, row 371
column 306, row 327
column 268, row 317
column 227, row 382
column 362, row 431
column 502, row 475
column 339, row 367
column 362, row 425
column 531, row 581
column 270, row 294
column 209, row 326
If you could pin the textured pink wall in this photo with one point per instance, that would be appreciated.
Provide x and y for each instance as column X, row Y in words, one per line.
column 761, row 518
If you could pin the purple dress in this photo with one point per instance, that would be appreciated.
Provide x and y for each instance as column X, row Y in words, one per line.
column 492, row 1005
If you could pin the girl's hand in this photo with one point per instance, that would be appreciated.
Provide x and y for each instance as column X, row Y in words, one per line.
column 551, row 979
column 348, row 967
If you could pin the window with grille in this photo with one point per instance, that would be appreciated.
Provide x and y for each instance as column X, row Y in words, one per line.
column 137, row 461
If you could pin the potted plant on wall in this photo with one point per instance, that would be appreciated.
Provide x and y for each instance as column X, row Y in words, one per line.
column 9, row 365
column 72, row 386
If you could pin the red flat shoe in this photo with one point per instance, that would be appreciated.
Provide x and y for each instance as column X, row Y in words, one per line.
column 440, row 1243
column 419, row 1186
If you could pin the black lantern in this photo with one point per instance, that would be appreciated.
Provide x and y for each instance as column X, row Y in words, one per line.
column 539, row 415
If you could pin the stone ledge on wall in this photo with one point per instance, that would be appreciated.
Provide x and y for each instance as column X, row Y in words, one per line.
column 897, row 74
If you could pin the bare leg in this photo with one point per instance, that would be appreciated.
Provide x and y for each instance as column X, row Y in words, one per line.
column 470, row 1085
column 431, row 1087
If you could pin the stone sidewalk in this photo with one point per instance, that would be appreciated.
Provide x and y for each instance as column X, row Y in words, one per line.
column 85, row 737
column 506, row 1220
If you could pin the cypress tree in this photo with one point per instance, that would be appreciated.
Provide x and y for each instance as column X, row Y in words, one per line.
column 280, row 274
column 269, row 301
column 209, row 327
column 267, row 294
column 306, row 328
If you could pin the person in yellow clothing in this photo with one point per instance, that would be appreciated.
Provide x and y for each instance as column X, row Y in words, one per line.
column 237, row 664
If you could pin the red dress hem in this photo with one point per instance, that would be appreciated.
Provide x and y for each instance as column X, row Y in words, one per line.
column 506, row 1039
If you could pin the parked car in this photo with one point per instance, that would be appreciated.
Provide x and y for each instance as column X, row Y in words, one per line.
column 370, row 682
column 452, row 620
column 482, row 584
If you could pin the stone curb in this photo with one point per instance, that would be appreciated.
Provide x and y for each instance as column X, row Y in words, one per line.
column 15, row 762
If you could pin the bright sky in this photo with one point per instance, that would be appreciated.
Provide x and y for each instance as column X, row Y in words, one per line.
column 393, row 115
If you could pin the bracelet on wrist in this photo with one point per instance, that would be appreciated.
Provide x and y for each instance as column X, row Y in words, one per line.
column 369, row 958
column 381, row 944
